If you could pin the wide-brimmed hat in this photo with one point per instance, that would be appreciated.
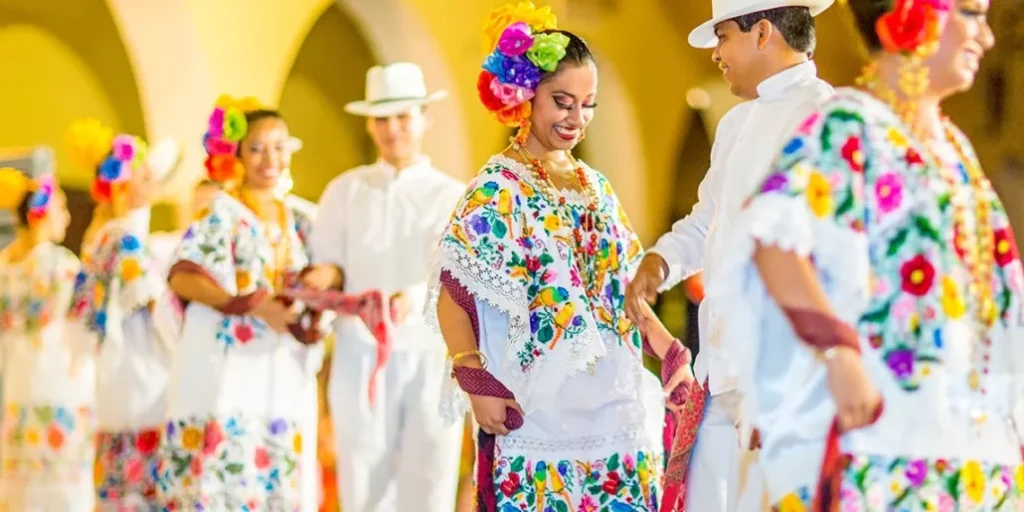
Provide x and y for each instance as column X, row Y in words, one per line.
column 393, row 89
column 724, row 10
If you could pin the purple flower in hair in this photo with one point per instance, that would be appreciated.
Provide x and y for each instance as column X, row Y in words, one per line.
column 522, row 72
column 515, row 40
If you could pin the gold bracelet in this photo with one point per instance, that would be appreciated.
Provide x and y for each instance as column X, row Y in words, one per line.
column 480, row 355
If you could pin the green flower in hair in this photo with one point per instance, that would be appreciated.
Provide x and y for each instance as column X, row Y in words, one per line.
column 547, row 50
column 234, row 124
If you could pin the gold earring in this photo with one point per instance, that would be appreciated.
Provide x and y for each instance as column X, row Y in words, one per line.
column 524, row 132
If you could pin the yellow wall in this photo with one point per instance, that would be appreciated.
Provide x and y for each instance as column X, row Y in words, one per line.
column 154, row 68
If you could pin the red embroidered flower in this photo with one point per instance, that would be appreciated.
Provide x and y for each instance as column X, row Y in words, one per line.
column 510, row 486
column 147, row 441
column 918, row 275
column 1006, row 247
column 196, row 466
column 487, row 97
column 611, row 486
column 532, row 264
column 243, row 332
column 212, row 437
column 913, row 157
column 912, row 23
column 853, row 154
column 262, row 459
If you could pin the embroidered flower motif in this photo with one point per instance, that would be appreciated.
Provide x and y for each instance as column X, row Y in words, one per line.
column 918, row 275
column 774, row 183
column 1005, row 247
column 853, row 154
column 889, row 191
column 819, row 195
column 973, row 479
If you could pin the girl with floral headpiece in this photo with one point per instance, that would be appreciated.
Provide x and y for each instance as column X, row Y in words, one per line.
column 46, row 442
column 528, row 292
column 876, row 266
column 115, row 294
column 242, row 421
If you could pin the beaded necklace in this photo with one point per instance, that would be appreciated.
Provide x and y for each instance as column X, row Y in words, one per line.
column 587, row 257
column 278, row 268
column 978, row 244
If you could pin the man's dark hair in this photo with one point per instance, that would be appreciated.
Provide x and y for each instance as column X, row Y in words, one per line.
column 577, row 53
column 795, row 23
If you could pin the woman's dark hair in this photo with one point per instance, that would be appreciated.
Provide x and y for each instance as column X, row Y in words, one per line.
column 577, row 53
column 21, row 213
column 865, row 15
column 254, row 116
column 794, row 23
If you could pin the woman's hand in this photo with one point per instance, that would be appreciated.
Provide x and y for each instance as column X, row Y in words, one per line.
column 856, row 397
column 275, row 314
column 490, row 413
column 678, row 387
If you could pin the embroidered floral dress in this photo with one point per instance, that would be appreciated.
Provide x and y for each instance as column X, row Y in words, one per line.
column 592, row 434
column 240, row 392
column 46, row 435
column 874, row 209
column 113, row 292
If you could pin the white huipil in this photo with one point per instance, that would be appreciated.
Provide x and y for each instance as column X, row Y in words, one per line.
column 113, row 298
column 747, row 139
column 47, row 437
column 380, row 225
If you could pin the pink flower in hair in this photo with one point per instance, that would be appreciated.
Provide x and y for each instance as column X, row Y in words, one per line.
column 515, row 40
column 219, row 146
column 216, row 128
column 124, row 147
column 509, row 94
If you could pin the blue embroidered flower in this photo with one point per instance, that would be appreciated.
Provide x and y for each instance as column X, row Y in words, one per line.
column 130, row 243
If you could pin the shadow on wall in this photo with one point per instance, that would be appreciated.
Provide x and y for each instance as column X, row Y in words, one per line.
column 329, row 71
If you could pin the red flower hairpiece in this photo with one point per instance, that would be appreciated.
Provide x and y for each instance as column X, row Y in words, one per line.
column 911, row 24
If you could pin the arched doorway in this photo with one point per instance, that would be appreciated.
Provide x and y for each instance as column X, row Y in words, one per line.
column 64, row 61
column 314, row 96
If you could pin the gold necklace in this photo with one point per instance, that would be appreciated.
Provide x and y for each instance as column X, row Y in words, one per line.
column 277, row 272
column 978, row 244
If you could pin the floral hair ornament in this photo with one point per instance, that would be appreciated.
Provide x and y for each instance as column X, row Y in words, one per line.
column 519, row 56
column 226, row 127
column 114, row 158
column 14, row 185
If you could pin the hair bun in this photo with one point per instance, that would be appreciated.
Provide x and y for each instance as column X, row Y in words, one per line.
column 14, row 184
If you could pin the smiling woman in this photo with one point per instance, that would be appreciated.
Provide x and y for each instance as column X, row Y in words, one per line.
column 527, row 291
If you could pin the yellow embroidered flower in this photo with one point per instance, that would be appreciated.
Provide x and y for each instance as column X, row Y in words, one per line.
column 791, row 503
column 243, row 280
column 191, row 438
column 297, row 443
column 526, row 12
column 98, row 474
column 952, row 302
column 98, row 293
column 526, row 190
column 973, row 479
column 32, row 436
column 819, row 194
column 130, row 270
column 897, row 139
column 1020, row 477
column 552, row 223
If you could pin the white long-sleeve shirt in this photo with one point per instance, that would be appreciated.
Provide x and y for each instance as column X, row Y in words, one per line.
column 746, row 142
column 381, row 227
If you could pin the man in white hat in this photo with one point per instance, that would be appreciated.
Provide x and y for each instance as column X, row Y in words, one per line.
column 763, row 48
column 377, row 229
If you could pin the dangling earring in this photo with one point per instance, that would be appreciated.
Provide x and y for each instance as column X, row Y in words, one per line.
column 583, row 134
column 524, row 133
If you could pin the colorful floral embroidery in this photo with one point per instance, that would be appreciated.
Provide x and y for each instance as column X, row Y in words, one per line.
column 126, row 469
column 889, row 484
column 618, row 483
column 28, row 304
column 506, row 224
column 230, row 463
column 47, row 443
column 117, row 261
column 854, row 173
column 232, row 246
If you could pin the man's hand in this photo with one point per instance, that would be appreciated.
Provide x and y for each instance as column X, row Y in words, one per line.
column 644, row 286
column 322, row 277
column 400, row 306
column 856, row 397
